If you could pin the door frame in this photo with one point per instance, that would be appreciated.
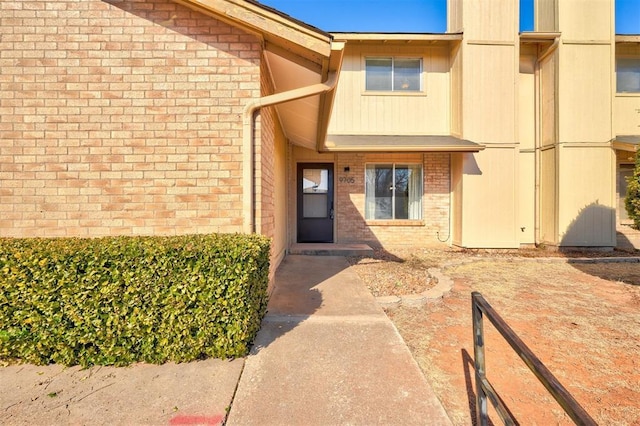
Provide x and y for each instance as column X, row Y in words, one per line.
column 331, row 195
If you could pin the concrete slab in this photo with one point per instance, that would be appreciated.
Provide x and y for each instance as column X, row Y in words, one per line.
column 333, row 372
column 191, row 393
column 324, row 249
column 328, row 355
column 324, row 285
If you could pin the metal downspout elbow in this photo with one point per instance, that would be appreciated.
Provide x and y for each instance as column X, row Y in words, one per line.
column 248, row 145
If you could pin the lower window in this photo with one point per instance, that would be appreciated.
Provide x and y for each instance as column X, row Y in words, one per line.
column 393, row 191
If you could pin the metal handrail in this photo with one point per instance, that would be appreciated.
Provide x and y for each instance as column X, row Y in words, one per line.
column 480, row 307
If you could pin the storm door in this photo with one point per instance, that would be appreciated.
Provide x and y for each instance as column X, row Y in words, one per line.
column 315, row 203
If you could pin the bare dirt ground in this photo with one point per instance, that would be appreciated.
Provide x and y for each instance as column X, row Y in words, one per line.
column 387, row 274
column 581, row 320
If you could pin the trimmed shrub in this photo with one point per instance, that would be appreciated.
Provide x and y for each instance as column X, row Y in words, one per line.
column 632, row 201
column 118, row 300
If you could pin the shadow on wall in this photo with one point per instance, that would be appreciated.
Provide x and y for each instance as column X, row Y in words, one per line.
column 588, row 228
column 592, row 228
column 181, row 20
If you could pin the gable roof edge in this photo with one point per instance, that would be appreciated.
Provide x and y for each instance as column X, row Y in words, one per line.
column 271, row 25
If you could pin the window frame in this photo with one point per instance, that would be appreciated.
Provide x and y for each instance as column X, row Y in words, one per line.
column 421, row 75
column 626, row 93
column 393, row 219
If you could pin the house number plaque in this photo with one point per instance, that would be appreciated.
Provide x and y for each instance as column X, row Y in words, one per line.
column 347, row 179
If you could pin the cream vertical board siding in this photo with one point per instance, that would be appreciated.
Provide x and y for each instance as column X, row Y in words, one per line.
column 548, row 101
column 358, row 112
column 627, row 114
column 546, row 149
column 490, row 20
column 489, row 211
column 527, row 138
column 456, row 91
column 585, row 161
column 526, row 199
column 547, row 197
column 489, row 71
column 585, row 101
column 454, row 16
column 527, row 99
column 457, row 163
column 587, row 217
column 486, row 200
column 586, row 19
column 545, row 15
column 489, row 97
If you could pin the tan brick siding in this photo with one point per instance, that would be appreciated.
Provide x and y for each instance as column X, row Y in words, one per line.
column 350, row 202
column 121, row 118
column 265, row 161
column 270, row 175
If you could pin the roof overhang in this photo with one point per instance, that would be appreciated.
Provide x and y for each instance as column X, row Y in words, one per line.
column 297, row 54
column 399, row 143
column 534, row 37
column 273, row 27
column 626, row 142
column 627, row 38
column 399, row 38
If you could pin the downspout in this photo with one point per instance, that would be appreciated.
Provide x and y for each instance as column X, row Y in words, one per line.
column 538, row 130
column 248, row 147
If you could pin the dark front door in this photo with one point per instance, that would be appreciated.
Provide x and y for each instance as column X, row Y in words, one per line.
column 315, row 203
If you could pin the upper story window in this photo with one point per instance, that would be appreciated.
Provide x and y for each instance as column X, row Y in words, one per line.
column 393, row 74
column 628, row 75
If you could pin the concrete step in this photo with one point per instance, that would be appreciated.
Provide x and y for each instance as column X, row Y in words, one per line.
column 327, row 249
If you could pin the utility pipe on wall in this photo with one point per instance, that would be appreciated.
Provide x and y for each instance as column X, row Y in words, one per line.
column 248, row 146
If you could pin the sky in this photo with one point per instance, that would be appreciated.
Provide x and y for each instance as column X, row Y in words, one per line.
column 413, row 16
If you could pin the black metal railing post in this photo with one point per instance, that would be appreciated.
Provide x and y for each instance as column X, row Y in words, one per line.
column 484, row 390
column 478, row 355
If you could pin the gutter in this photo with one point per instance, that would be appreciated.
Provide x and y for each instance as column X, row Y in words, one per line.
column 248, row 146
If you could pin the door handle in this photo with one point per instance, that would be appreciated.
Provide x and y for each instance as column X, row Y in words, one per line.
column 331, row 211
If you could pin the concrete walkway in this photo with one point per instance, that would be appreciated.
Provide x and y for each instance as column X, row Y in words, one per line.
column 328, row 355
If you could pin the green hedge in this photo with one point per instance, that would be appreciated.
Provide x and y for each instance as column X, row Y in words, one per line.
column 114, row 301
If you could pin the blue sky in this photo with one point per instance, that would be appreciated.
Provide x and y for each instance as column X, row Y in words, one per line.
column 413, row 16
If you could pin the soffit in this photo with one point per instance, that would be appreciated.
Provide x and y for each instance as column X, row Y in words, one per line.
column 535, row 37
column 626, row 142
column 398, row 38
column 400, row 143
column 299, row 118
column 628, row 38
column 297, row 55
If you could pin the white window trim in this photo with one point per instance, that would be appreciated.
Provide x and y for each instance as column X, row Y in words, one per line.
column 423, row 75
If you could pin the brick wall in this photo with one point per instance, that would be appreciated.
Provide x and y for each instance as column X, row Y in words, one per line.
column 265, row 161
column 350, row 199
column 121, row 117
